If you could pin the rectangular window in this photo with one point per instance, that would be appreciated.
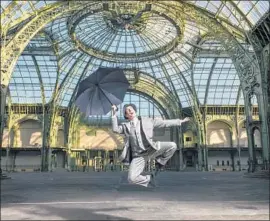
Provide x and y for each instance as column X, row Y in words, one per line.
column 217, row 162
column 228, row 163
column 238, row 162
column 223, row 163
column 188, row 139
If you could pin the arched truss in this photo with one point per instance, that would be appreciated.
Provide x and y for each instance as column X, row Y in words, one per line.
column 146, row 84
column 247, row 66
column 166, row 112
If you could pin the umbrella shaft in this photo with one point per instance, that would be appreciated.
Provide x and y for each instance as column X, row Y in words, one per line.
column 108, row 99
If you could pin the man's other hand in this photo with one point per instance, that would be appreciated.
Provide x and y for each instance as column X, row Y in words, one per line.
column 185, row 119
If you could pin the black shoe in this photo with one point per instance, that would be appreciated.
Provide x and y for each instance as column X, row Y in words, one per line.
column 152, row 182
column 158, row 168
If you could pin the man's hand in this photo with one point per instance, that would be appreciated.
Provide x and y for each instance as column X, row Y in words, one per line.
column 185, row 120
column 114, row 109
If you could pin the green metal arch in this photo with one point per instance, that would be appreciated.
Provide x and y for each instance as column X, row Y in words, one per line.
column 165, row 111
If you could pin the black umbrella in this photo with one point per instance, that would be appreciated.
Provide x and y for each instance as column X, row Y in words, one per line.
column 98, row 92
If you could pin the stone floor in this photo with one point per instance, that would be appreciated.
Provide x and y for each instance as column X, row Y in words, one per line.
column 107, row 196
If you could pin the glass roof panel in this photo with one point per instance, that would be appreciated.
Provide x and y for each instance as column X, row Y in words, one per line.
column 254, row 10
column 201, row 73
column 233, row 10
column 181, row 91
column 60, row 33
column 37, row 57
column 25, row 85
column 213, row 6
column 75, row 71
column 48, row 70
column 220, row 76
column 67, row 63
column 224, row 83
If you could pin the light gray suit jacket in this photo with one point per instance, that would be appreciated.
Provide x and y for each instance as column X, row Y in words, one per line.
column 147, row 128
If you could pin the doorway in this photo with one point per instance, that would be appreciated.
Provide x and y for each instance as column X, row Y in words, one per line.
column 190, row 158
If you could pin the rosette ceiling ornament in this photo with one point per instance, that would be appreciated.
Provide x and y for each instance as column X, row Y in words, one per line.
column 94, row 30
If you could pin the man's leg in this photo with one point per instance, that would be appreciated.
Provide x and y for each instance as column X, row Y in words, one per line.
column 135, row 169
column 165, row 153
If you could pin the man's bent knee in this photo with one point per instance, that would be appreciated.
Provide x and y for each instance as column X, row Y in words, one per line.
column 174, row 146
column 132, row 179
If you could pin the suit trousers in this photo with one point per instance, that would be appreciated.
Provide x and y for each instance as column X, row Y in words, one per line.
column 137, row 164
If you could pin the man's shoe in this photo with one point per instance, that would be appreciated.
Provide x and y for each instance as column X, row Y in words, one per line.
column 152, row 182
column 158, row 168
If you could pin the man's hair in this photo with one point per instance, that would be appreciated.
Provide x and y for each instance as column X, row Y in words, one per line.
column 128, row 105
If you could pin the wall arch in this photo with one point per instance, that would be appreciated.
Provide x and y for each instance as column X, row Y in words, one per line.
column 29, row 134
column 26, row 118
column 218, row 134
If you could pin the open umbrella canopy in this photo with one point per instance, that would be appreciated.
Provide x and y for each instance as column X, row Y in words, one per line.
column 98, row 92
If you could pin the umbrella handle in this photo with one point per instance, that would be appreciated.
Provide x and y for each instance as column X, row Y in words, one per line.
column 114, row 105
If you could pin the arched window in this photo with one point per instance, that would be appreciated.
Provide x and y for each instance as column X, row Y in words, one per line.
column 257, row 138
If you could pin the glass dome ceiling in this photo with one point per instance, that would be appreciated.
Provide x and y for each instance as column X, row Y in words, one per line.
column 148, row 42
column 112, row 37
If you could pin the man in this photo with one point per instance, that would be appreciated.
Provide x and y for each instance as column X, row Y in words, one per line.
column 139, row 146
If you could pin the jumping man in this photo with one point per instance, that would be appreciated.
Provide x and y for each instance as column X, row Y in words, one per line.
column 139, row 146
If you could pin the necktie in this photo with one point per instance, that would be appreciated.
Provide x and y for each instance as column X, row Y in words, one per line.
column 132, row 127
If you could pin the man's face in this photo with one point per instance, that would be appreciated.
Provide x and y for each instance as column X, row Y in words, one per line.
column 130, row 113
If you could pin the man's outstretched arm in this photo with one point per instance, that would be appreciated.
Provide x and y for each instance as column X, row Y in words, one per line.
column 158, row 123
column 115, row 127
